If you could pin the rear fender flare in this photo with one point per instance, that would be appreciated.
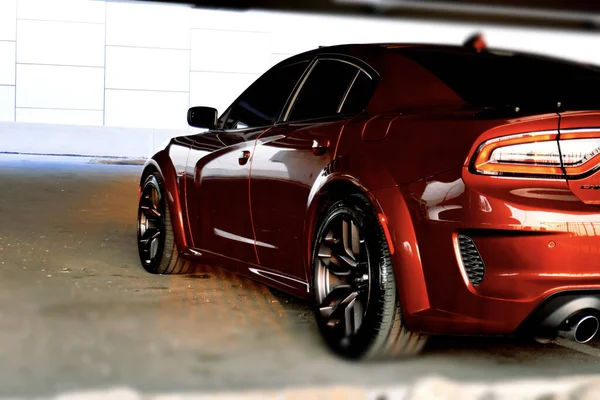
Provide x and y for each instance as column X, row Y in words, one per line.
column 389, row 204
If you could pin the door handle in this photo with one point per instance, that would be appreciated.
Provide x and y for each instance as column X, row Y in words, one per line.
column 244, row 158
column 320, row 146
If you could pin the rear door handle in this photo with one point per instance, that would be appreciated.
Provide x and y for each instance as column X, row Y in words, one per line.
column 244, row 158
column 320, row 146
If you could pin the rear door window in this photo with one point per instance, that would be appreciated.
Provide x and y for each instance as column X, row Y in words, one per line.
column 324, row 91
column 358, row 95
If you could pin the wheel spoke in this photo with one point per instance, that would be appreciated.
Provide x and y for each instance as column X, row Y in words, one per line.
column 355, row 240
column 150, row 212
column 342, row 314
column 357, row 314
column 331, row 261
column 155, row 199
column 351, row 240
column 346, row 237
column 153, row 247
column 145, row 242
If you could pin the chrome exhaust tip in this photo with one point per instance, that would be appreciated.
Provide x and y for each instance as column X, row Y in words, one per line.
column 581, row 328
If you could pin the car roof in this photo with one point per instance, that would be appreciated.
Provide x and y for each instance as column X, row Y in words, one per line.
column 352, row 49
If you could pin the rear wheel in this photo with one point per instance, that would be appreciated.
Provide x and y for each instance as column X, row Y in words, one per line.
column 358, row 311
column 156, row 243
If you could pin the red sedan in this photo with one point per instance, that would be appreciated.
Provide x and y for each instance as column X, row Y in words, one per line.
column 405, row 190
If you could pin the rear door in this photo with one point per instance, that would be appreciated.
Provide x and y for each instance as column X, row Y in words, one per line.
column 290, row 157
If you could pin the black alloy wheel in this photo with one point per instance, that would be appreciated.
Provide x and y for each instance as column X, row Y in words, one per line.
column 151, row 223
column 156, row 241
column 343, row 276
column 358, row 310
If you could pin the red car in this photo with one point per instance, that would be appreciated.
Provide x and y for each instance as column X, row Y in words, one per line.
column 405, row 190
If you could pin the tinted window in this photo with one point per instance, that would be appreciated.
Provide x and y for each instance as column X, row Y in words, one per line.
column 324, row 90
column 495, row 78
column 359, row 94
column 262, row 102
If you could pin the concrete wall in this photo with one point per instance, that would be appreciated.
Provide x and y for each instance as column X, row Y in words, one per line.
column 133, row 67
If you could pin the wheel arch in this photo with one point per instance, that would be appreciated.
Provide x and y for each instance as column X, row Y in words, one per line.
column 161, row 163
column 396, row 221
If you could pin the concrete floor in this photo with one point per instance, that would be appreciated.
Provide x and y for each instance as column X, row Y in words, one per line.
column 77, row 311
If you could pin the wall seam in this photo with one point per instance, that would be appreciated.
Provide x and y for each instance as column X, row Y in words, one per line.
column 146, row 47
column 60, row 65
column 104, row 89
column 59, row 109
column 148, row 90
column 16, row 53
column 58, row 20
column 228, row 72
column 190, row 20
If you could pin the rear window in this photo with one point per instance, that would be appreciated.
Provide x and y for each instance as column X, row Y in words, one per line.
column 498, row 78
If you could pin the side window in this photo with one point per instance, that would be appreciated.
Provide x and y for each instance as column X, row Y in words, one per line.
column 324, row 90
column 359, row 94
column 262, row 102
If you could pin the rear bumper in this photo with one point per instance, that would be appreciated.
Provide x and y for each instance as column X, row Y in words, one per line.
column 536, row 240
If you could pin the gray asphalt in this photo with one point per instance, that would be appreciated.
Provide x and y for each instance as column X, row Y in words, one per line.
column 77, row 311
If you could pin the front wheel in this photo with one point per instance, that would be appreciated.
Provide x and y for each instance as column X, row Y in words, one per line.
column 156, row 243
column 358, row 311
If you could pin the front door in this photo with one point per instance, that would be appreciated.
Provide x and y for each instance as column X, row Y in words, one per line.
column 219, row 164
column 217, row 193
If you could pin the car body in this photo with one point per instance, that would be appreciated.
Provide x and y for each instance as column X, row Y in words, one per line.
column 490, row 226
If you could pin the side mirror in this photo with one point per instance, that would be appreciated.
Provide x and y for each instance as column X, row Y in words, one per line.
column 202, row 117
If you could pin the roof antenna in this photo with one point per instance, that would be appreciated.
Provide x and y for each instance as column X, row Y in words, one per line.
column 476, row 42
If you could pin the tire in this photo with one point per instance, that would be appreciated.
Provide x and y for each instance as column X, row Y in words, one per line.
column 156, row 242
column 372, row 326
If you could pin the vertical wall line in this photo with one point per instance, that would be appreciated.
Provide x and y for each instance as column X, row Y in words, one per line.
column 191, row 18
column 104, row 89
column 16, row 33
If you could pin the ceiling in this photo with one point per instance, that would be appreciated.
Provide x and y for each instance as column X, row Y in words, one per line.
column 565, row 14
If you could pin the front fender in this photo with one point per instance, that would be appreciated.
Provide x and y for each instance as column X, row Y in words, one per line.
column 162, row 163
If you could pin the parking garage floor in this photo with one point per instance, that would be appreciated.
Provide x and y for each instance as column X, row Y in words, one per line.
column 78, row 312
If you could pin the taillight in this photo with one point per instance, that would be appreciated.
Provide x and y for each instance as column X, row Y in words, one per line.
column 540, row 154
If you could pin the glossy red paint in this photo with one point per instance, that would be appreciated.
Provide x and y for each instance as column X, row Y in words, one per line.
column 411, row 156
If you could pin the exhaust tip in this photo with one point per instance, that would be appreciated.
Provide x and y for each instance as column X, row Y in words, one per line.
column 580, row 328
column 586, row 328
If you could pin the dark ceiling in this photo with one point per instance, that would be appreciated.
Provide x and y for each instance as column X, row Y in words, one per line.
column 566, row 14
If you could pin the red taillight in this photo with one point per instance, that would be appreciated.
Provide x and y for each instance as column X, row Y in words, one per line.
column 541, row 154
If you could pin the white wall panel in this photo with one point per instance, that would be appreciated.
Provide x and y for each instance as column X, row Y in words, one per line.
column 161, row 110
column 62, row 10
column 8, row 19
column 7, row 63
column 67, row 117
column 62, row 43
column 7, row 105
column 45, row 86
column 229, row 51
column 148, row 25
column 147, row 69
column 218, row 90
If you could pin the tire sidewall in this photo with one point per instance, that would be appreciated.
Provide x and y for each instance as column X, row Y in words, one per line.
column 366, row 221
column 155, row 181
